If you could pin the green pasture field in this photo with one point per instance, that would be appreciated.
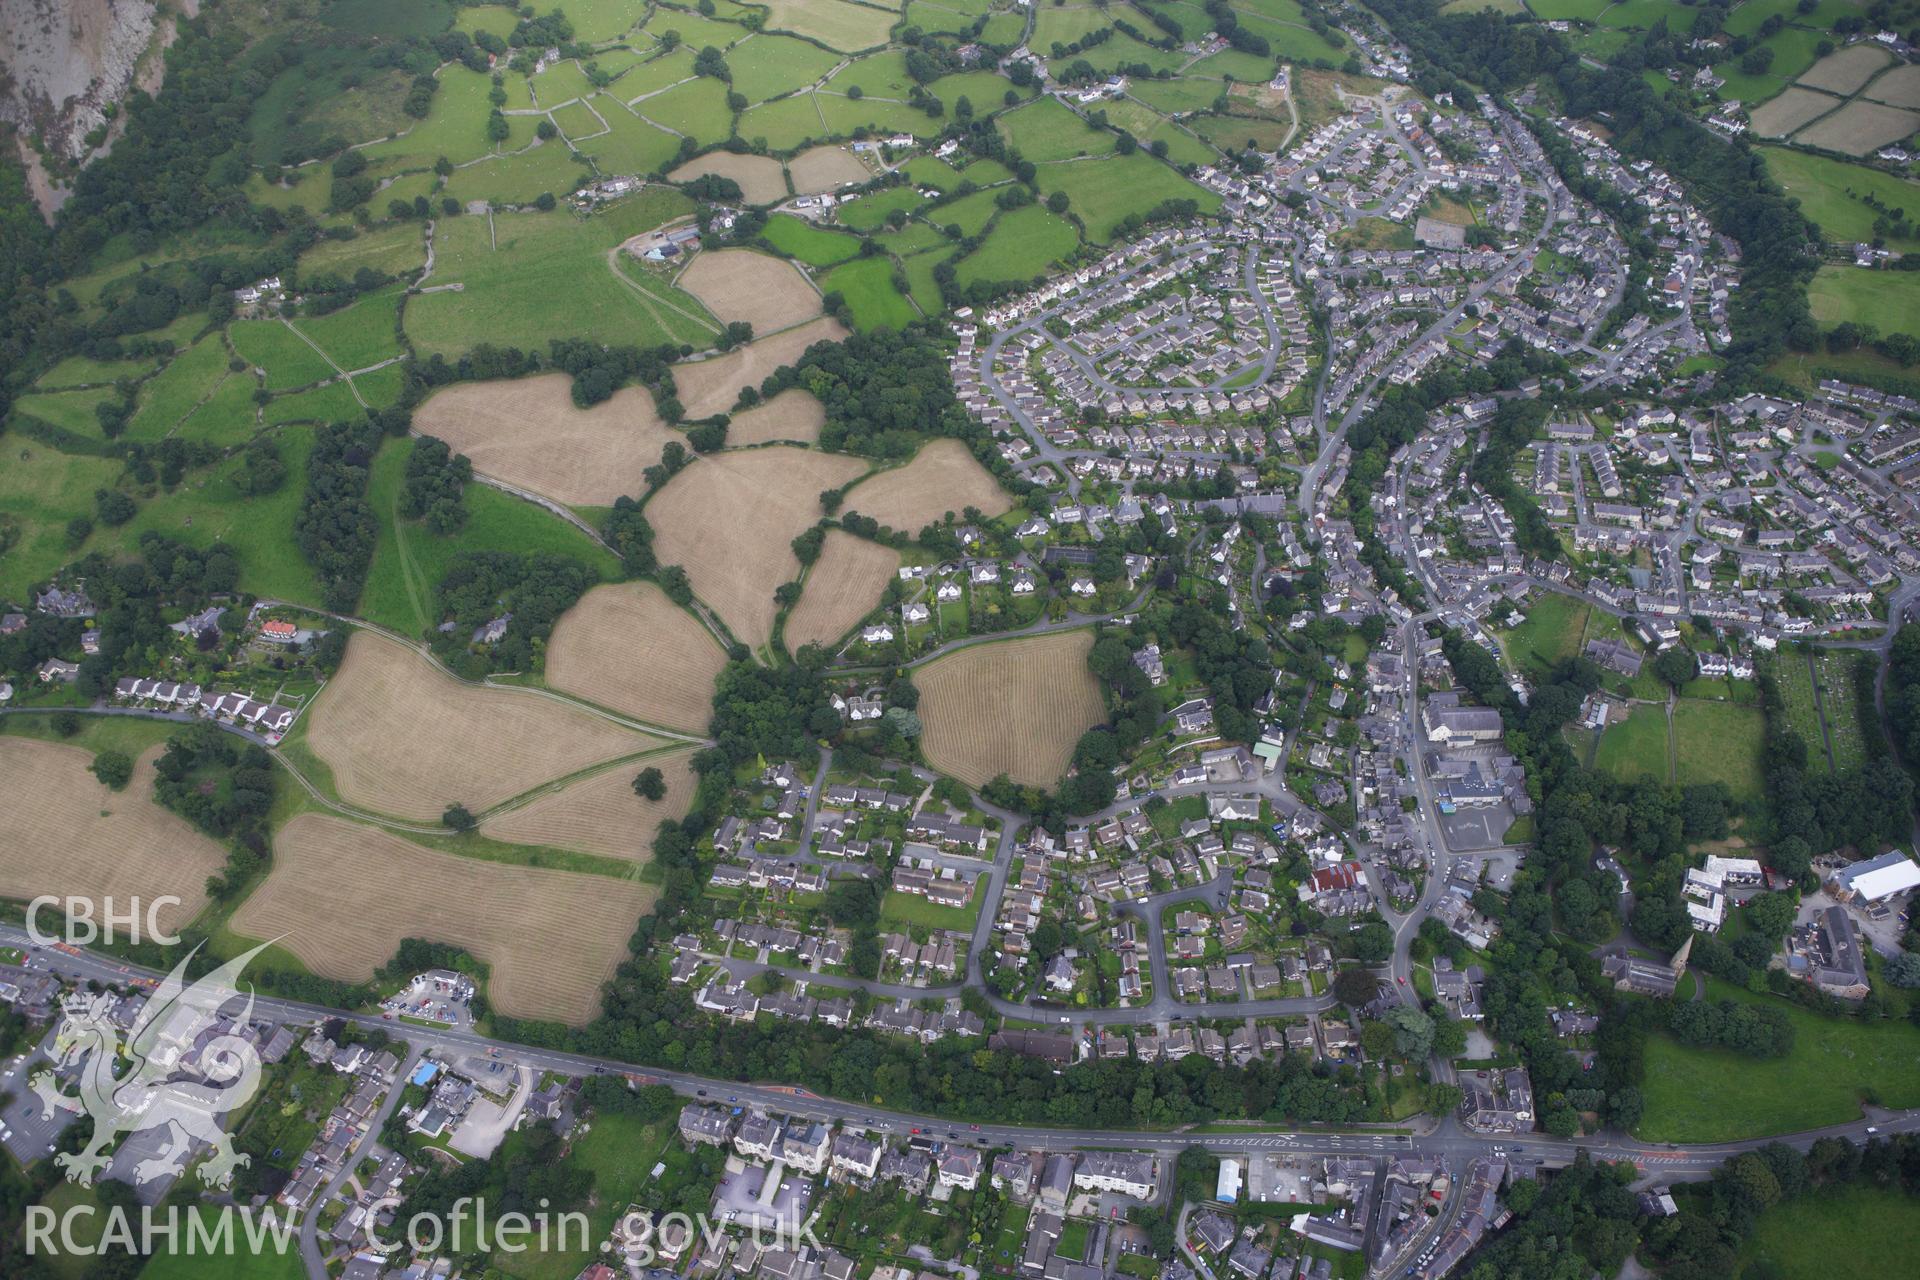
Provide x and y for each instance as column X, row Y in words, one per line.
column 1148, row 127
column 171, row 394
column 455, row 127
column 784, row 124
column 1793, row 53
column 549, row 278
column 870, row 211
column 970, row 213
column 381, row 387
column 765, row 66
column 310, row 101
column 1104, row 192
column 1830, row 194
column 1642, row 14
column 931, row 171
column 1235, row 132
column 68, row 410
column 1872, row 1227
column 920, row 282
column 577, row 121
column 330, row 402
column 815, row 246
column 1181, row 94
column 45, row 488
column 561, row 82
column 915, row 237
column 359, row 335
column 1819, row 1083
column 987, row 90
column 409, row 561
column 226, row 417
column 878, row 75
column 867, row 285
column 632, row 146
column 1022, row 244
column 287, row 359
column 696, row 109
column 595, row 21
column 1064, row 24
column 1004, row 28
column 394, row 249
column 41, row 489
column 655, row 74
column 929, row 16
column 78, row 371
column 520, row 178
column 1568, row 10
column 1045, row 130
column 1719, row 742
column 1636, row 747
column 1888, row 299
column 695, row 31
column 844, row 115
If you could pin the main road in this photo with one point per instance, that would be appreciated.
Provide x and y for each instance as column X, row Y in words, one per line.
column 1669, row 1162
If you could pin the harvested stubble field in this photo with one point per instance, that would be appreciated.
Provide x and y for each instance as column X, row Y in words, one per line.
column 711, row 386
column 794, row 415
column 942, row 477
column 602, row 814
column 738, row 284
column 1791, row 109
column 1860, row 128
column 1013, row 706
column 729, row 520
column 761, row 179
column 403, row 738
column 820, row 169
column 842, row 587
column 342, row 896
column 71, row 835
column 529, row 433
column 628, row 647
column 1899, row 87
column 1845, row 70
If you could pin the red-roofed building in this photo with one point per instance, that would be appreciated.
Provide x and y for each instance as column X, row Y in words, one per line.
column 279, row 632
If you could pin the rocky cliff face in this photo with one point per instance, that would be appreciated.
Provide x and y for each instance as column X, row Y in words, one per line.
column 63, row 64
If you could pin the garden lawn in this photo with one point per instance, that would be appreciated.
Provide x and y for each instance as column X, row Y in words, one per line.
column 905, row 909
column 1819, row 1083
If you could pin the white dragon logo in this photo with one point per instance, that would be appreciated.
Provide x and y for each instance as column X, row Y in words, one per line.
column 182, row 1076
